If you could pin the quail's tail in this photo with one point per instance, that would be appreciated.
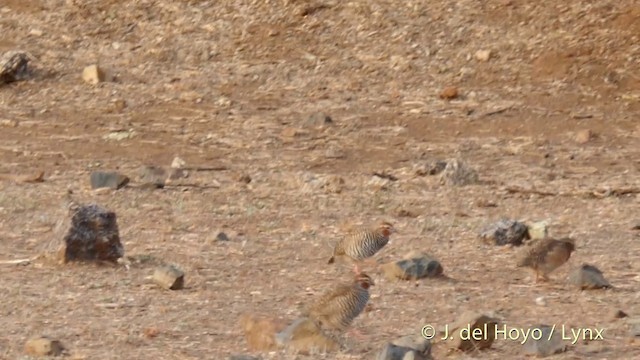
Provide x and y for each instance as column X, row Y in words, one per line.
column 332, row 260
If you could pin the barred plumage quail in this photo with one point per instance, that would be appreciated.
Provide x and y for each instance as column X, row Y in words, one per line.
column 362, row 244
column 336, row 309
column 547, row 255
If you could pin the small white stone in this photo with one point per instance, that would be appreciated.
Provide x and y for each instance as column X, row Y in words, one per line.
column 92, row 74
column 483, row 55
column 178, row 163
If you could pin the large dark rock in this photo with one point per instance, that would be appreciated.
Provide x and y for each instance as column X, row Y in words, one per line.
column 14, row 66
column 93, row 235
column 505, row 231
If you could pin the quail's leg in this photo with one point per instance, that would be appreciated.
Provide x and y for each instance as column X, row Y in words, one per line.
column 357, row 334
column 541, row 277
column 372, row 262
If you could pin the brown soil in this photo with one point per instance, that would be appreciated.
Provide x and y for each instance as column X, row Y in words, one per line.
column 220, row 83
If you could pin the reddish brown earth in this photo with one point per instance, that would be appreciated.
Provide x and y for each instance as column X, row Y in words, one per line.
column 226, row 84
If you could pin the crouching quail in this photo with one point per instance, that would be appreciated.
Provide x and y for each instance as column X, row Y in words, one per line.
column 336, row 310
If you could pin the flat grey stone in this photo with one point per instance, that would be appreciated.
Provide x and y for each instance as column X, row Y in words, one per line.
column 542, row 342
column 588, row 277
column 394, row 352
column 108, row 179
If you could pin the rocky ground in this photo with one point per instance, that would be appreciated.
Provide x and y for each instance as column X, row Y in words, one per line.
column 542, row 100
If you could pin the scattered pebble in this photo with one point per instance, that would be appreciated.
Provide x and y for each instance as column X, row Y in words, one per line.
column 401, row 211
column 291, row 132
column 36, row 32
column 222, row 236
column 152, row 176
column 178, row 163
column 245, row 178
column 484, row 203
column 504, row 232
column 588, row 277
column 538, row 230
column 619, row 314
column 150, row 332
column 176, row 174
column 191, row 96
column 547, row 343
column 8, row 123
column 43, row 346
column 108, row 179
column 634, row 326
column 449, row 93
column 119, row 135
column 334, row 153
column 394, row 352
column 169, row 277
column 223, row 102
column 458, row 173
column 330, row 184
column 378, row 183
column 119, row 105
column 93, row 74
column 414, row 266
column 14, row 66
column 405, row 348
column 34, row 177
column 483, row 55
column 244, row 357
column 433, row 167
column 584, row 136
column 469, row 323
column 319, row 119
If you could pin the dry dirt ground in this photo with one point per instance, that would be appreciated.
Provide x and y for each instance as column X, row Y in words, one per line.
column 232, row 84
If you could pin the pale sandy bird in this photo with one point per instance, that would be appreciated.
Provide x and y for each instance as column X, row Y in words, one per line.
column 547, row 255
column 336, row 309
column 362, row 244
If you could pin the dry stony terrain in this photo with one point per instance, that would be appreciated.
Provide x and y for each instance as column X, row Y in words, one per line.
column 229, row 87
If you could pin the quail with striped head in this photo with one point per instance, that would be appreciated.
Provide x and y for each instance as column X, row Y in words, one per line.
column 337, row 309
column 362, row 244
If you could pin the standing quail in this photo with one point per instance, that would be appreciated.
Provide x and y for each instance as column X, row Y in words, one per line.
column 547, row 255
column 362, row 244
column 336, row 309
